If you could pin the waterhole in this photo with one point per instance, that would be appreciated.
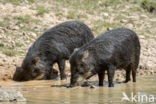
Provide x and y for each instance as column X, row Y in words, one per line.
column 56, row 92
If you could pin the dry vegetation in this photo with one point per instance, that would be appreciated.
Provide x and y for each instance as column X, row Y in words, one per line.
column 22, row 21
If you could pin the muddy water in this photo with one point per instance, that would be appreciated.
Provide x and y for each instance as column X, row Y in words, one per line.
column 55, row 92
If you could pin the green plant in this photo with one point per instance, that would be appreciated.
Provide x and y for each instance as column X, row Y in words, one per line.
column 5, row 21
column 101, row 26
column 26, row 19
column 41, row 10
column 149, row 5
column 17, row 2
column 8, row 51
column 71, row 15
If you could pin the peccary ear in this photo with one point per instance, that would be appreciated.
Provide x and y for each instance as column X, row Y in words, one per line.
column 35, row 60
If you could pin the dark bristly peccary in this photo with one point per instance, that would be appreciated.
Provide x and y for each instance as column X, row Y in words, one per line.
column 115, row 49
column 53, row 46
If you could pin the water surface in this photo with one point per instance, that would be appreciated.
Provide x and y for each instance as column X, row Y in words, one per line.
column 54, row 92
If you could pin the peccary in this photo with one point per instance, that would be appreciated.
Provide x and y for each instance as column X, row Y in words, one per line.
column 53, row 46
column 115, row 49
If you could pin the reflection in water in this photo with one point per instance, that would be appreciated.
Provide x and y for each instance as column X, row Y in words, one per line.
column 56, row 92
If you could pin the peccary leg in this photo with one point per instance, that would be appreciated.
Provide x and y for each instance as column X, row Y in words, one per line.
column 61, row 65
column 128, row 72
column 135, row 66
column 101, row 78
column 111, row 72
column 134, row 74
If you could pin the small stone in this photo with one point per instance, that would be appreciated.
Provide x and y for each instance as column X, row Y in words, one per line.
column 9, row 95
column 24, row 33
column 130, row 25
column 92, row 86
column 123, row 21
column 141, row 73
column 105, row 14
column 151, row 72
column 1, row 64
column 26, row 1
column 140, row 66
column 99, row 2
column 21, row 25
column 118, row 75
column 15, row 28
column 142, row 37
column 1, row 45
column 109, row 28
column 119, row 79
column 4, row 60
column 146, row 73
column 33, row 34
column 37, row 29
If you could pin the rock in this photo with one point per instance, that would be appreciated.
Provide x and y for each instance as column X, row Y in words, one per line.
column 26, row 1
column 99, row 2
column 144, row 16
column 151, row 72
column 24, row 34
column 109, row 28
column 1, row 45
column 21, row 25
column 15, row 28
column 142, row 36
column 13, row 43
column 1, row 31
column 10, row 95
column 1, row 64
column 2, row 35
column 4, row 60
column 33, row 34
column 37, row 29
column 146, row 72
column 123, row 21
column 130, row 25
column 141, row 73
column 141, row 67
column 13, row 60
column 119, row 79
column 92, row 86
column 105, row 14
